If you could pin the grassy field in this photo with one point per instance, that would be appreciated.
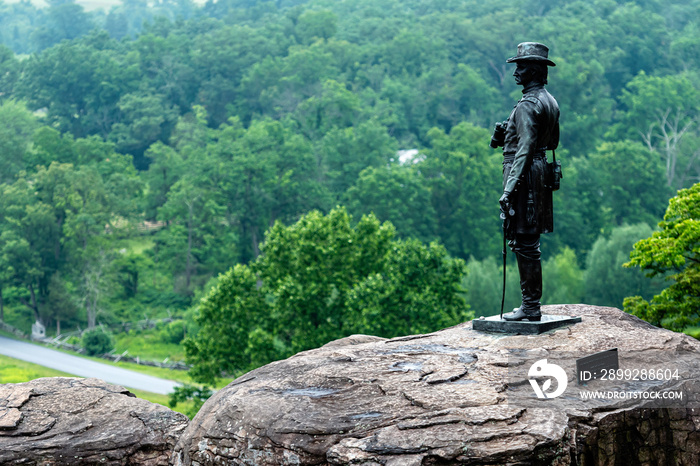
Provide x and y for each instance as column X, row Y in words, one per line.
column 147, row 345
column 16, row 371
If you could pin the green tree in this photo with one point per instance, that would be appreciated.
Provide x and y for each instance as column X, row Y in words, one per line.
column 675, row 249
column 417, row 292
column 18, row 23
column 579, row 217
column 193, row 216
column 17, row 126
column 315, row 24
column 263, row 173
column 607, row 283
column 97, row 167
column 231, row 54
column 116, row 24
column 165, row 169
column 21, row 266
column 62, row 306
column 95, row 281
column 57, row 219
column 65, row 19
column 664, row 114
column 398, row 194
column 630, row 183
column 227, row 316
column 334, row 108
column 620, row 183
column 318, row 280
column 347, row 151
column 475, row 99
column 9, row 73
column 146, row 118
column 311, row 266
column 79, row 84
column 129, row 267
column 583, row 93
column 33, row 216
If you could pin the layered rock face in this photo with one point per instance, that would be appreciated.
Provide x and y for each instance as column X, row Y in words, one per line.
column 456, row 396
column 72, row 421
column 453, row 397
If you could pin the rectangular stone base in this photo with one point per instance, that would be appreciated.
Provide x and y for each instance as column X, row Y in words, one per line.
column 522, row 327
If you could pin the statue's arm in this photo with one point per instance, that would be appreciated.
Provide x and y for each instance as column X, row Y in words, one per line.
column 526, row 120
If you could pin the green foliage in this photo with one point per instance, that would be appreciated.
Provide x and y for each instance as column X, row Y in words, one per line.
column 97, row 342
column 17, row 125
column 663, row 110
column 64, row 20
column 313, row 24
column 620, row 183
column 674, row 249
column 418, row 292
column 607, row 283
column 396, row 193
column 348, row 151
column 562, row 279
column 308, row 105
column 130, row 267
column 629, row 182
column 194, row 395
column 318, row 280
column 463, row 173
column 227, row 316
column 174, row 332
column 483, row 284
column 146, row 119
column 311, row 266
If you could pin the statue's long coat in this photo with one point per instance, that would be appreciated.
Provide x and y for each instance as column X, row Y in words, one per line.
column 532, row 128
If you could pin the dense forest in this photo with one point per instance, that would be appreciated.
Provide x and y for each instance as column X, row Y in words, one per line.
column 148, row 149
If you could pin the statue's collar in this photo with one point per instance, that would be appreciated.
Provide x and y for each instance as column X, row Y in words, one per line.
column 532, row 86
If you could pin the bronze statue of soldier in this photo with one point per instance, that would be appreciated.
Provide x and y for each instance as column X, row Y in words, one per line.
column 526, row 204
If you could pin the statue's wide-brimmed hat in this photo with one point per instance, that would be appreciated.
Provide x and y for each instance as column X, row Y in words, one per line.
column 532, row 51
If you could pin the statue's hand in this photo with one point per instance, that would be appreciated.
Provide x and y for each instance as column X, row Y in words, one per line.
column 506, row 204
column 499, row 134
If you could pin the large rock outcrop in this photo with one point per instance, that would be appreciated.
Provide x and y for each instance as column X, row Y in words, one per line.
column 72, row 421
column 448, row 398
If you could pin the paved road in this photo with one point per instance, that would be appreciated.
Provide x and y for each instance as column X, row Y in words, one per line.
column 84, row 367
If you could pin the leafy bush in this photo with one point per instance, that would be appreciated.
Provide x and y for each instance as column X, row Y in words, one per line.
column 675, row 249
column 173, row 332
column 96, row 342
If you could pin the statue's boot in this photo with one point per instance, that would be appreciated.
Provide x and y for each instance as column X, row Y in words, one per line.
column 531, row 290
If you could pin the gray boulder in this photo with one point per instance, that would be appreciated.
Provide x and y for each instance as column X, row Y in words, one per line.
column 72, row 421
column 456, row 396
